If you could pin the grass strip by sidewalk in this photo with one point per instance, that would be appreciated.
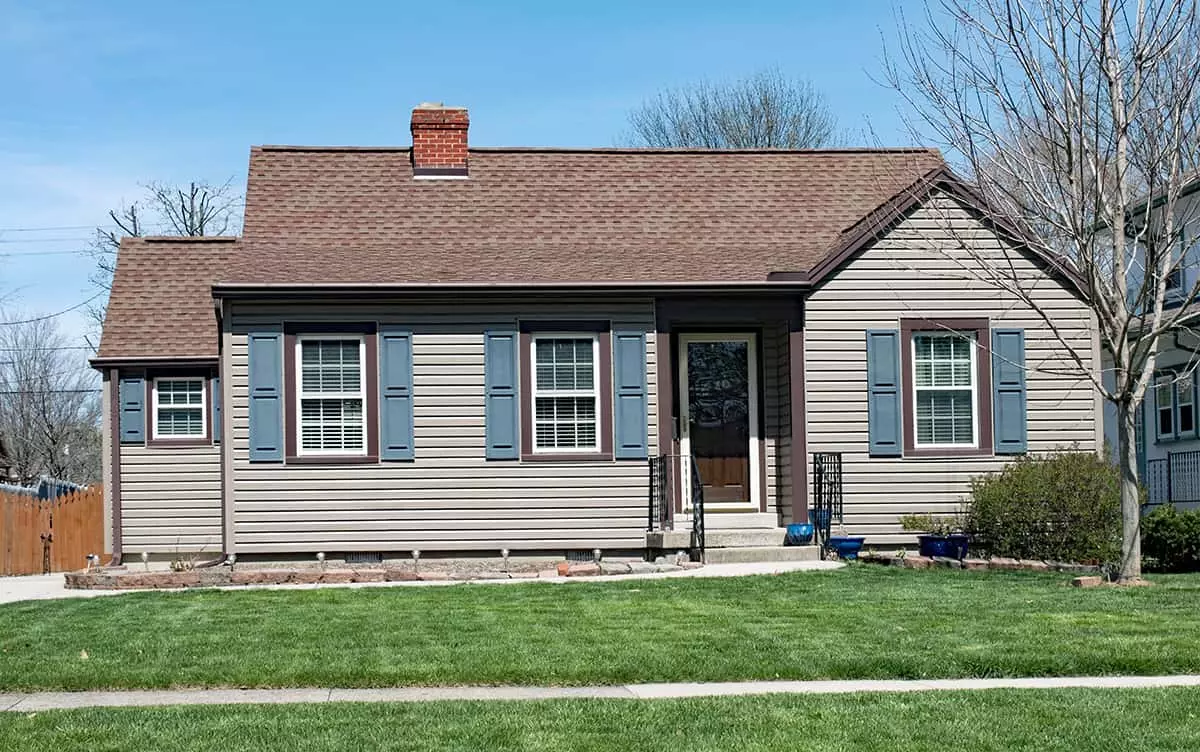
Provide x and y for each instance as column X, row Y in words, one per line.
column 859, row 622
column 1165, row 720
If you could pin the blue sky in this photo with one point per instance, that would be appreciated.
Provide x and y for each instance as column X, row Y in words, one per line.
column 98, row 98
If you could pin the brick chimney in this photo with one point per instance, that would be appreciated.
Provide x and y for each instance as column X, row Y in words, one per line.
column 439, row 135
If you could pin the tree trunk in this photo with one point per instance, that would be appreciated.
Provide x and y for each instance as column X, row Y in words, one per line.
column 1131, row 544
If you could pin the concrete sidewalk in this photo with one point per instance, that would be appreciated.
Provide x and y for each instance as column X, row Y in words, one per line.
column 50, row 586
column 39, row 701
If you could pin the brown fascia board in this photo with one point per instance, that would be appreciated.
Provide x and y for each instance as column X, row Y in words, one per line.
column 599, row 149
column 873, row 225
column 243, row 290
column 122, row 361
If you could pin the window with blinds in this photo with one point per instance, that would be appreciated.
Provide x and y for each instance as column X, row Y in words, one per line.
column 944, row 389
column 565, row 393
column 331, row 393
column 179, row 408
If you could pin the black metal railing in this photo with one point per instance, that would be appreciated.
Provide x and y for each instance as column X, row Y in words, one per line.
column 827, row 494
column 659, row 508
column 697, row 511
column 666, row 473
column 1174, row 479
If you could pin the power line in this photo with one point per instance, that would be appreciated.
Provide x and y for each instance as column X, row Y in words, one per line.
column 41, row 253
column 46, row 349
column 55, row 315
column 20, row 392
column 46, row 240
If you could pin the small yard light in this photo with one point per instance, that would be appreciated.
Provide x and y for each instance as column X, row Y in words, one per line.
column 596, row 555
column 92, row 560
column 504, row 556
column 321, row 559
column 146, row 560
column 232, row 559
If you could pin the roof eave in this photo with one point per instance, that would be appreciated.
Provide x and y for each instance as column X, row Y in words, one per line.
column 143, row 361
column 786, row 282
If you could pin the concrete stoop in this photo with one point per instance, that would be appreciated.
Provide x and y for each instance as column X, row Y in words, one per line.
column 735, row 545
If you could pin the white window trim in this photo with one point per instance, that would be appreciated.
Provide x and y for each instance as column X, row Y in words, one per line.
column 300, row 394
column 973, row 341
column 594, row 392
column 203, row 409
column 1165, row 380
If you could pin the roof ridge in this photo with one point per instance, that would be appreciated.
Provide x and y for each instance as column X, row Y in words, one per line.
column 612, row 149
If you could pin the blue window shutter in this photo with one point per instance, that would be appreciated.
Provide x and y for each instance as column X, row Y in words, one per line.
column 1008, row 390
column 629, row 395
column 500, row 395
column 215, row 385
column 265, row 355
column 395, row 395
column 883, row 393
column 131, row 392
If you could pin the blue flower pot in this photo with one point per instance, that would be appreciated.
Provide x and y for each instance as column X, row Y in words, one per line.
column 799, row 534
column 846, row 546
column 946, row 546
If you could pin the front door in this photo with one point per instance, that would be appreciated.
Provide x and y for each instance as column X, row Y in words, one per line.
column 719, row 417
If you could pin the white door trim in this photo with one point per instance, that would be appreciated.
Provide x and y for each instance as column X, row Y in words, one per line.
column 685, row 443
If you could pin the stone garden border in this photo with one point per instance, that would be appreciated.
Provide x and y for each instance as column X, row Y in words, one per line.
column 997, row 563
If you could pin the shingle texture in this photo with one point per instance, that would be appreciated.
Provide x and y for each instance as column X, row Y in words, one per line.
column 161, row 302
column 358, row 216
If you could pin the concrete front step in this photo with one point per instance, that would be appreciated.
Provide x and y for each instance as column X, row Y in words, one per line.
column 719, row 538
column 751, row 554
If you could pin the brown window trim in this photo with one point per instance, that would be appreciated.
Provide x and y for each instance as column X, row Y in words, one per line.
column 603, row 332
column 983, row 377
column 204, row 373
column 368, row 330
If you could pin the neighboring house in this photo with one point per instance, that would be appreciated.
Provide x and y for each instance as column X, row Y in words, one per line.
column 461, row 349
column 1168, row 438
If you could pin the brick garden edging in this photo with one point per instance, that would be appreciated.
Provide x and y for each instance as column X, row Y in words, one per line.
column 123, row 578
column 925, row 562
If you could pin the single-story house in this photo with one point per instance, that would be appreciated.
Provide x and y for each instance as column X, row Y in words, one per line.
column 449, row 348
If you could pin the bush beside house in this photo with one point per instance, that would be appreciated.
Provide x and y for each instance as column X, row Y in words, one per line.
column 1171, row 540
column 1061, row 506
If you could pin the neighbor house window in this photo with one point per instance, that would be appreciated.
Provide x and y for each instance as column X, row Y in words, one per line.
column 566, row 397
column 331, row 395
column 179, row 408
column 944, row 389
column 1175, row 405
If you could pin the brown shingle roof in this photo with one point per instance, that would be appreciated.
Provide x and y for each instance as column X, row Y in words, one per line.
column 161, row 303
column 332, row 215
column 357, row 216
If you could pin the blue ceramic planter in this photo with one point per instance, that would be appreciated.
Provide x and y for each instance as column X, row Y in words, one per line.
column 799, row 534
column 947, row 546
column 846, row 546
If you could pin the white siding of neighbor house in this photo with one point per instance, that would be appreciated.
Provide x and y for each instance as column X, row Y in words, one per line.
column 450, row 497
column 914, row 271
column 170, row 500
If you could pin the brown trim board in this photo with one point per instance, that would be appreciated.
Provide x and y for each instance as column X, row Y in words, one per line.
column 114, row 491
column 798, row 418
column 983, row 375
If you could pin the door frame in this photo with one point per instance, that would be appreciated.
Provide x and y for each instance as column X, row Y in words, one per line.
column 754, row 408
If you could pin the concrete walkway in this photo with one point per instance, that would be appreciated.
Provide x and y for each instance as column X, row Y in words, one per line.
column 38, row 701
column 50, row 586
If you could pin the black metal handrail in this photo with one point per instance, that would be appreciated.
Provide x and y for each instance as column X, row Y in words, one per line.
column 697, row 511
column 658, row 508
column 827, row 494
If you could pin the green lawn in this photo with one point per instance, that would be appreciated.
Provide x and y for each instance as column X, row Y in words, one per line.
column 859, row 622
column 1042, row 720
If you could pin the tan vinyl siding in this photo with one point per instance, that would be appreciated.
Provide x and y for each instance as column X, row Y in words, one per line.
column 921, row 269
column 450, row 497
column 170, row 500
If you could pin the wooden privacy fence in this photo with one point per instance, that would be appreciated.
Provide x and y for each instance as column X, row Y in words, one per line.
column 39, row 536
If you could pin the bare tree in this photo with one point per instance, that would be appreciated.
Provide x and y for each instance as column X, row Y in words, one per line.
column 49, row 403
column 194, row 210
column 1077, row 118
column 765, row 110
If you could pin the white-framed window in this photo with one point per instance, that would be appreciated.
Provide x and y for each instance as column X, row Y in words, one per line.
column 1164, row 406
column 944, row 390
column 566, row 392
column 331, row 392
column 1185, row 405
column 179, row 408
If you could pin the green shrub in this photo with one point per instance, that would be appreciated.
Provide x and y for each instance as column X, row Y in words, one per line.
column 1171, row 540
column 1062, row 506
